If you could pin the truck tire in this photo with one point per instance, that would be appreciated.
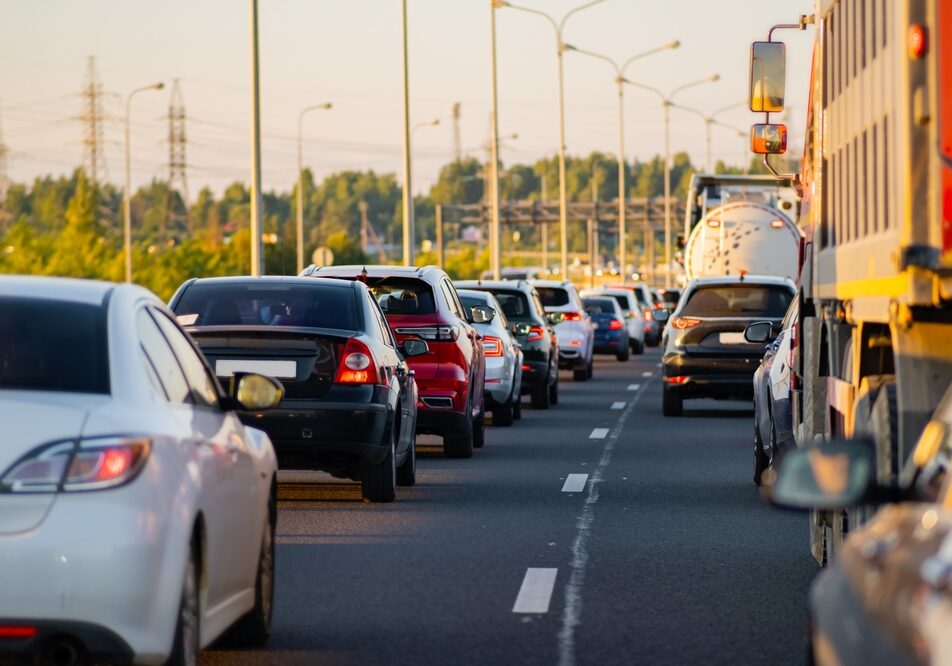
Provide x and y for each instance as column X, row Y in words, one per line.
column 672, row 404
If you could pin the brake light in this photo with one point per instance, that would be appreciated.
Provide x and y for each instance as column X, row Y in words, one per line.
column 648, row 315
column 678, row 379
column 527, row 367
column 575, row 343
column 682, row 323
column 535, row 333
column 357, row 365
column 17, row 632
column 572, row 316
column 614, row 325
column 492, row 346
column 430, row 333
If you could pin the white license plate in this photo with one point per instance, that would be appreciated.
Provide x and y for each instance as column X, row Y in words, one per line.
column 732, row 338
column 280, row 369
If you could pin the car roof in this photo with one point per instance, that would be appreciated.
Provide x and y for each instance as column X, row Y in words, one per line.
column 607, row 291
column 741, row 279
column 276, row 279
column 75, row 290
column 512, row 285
column 549, row 284
column 354, row 270
column 484, row 296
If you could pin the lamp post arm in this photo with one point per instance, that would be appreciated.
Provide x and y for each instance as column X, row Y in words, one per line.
column 576, row 11
column 592, row 54
column 639, row 56
column 674, row 92
column 635, row 84
column 547, row 17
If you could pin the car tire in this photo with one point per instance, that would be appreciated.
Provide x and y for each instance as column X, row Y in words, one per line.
column 638, row 347
column 378, row 483
column 591, row 367
column 517, row 407
column 554, row 393
column 254, row 629
column 580, row 375
column 460, row 444
column 479, row 430
column 624, row 354
column 406, row 472
column 186, row 645
column 540, row 398
column 761, row 462
column 503, row 415
column 672, row 404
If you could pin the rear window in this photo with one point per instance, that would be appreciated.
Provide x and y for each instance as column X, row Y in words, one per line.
column 553, row 297
column 738, row 301
column 53, row 346
column 622, row 300
column 514, row 304
column 671, row 296
column 403, row 296
column 600, row 305
column 263, row 304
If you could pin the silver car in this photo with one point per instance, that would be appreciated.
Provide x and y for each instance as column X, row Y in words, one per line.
column 503, row 360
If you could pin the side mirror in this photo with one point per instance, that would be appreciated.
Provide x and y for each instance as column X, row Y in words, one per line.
column 768, row 64
column 555, row 318
column 414, row 347
column 758, row 332
column 520, row 328
column 661, row 316
column 768, row 139
column 254, row 392
column 832, row 475
column 482, row 314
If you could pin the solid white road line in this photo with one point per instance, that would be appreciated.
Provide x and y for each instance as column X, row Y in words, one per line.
column 536, row 591
column 634, row 387
column 599, row 433
column 647, row 373
column 575, row 483
column 618, row 405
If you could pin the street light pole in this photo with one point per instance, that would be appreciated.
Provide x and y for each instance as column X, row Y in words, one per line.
column 127, row 194
column 257, row 248
column 560, row 48
column 299, row 227
column 408, row 226
column 622, row 177
column 495, row 238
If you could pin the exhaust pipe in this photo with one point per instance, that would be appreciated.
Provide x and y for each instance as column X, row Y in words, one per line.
column 63, row 652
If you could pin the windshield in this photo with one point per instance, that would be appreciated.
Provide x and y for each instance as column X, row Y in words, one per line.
column 738, row 301
column 403, row 296
column 553, row 296
column 262, row 304
column 52, row 345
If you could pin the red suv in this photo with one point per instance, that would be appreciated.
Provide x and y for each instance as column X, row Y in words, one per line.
column 422, row 303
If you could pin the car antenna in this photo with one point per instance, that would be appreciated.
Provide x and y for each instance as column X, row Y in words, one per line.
column 363, row 275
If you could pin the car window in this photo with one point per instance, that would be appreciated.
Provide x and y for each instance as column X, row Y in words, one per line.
column 382, row 327
column 552, row 297
column 740, row 300
column 51, row 345
column 514, row 304
column 540, row 309
column 403, row 296
column 791, row 315
column 158, row 352
column 202, row 386
column 453, row 300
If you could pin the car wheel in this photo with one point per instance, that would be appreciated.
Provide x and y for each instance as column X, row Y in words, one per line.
column 760, row 458
column 517, row 407
column 460, row 444
column 254, row 629
column 624, row 354
column 554, row 393
column 378, row 483
column 185, row 648
column 504, row 414
column 479, row 430
column 540, row 398
column 406, row 472
column 639, row 347
column 580, row 375
column 672, row 404
column 591, row 367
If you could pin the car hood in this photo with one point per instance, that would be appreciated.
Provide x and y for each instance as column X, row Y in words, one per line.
column 31, row 419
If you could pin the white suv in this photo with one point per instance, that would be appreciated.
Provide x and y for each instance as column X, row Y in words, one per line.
column 576, row 332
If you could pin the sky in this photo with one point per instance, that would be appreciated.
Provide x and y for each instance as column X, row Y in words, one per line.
column 348, row 52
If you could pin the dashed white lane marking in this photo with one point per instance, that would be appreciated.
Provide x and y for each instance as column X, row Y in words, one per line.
column 659, row 365
column 618, row 405
column 599, row 433
column 536, row 591
column 575, row 483
column 634, row 387
column 647, row 373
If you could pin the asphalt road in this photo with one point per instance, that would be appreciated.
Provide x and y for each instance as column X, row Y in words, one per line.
column 663, row 555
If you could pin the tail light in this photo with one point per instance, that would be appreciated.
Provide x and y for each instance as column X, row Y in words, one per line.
column 357, row 365
column 678, row 379
column 535, row 333
column 17, row 632
column 90, row 464
column 526, row 367
column 492, row 346
column 648, row 315
column 682, row 323
column 614, row 325
column 431, row 333
column 572, row 316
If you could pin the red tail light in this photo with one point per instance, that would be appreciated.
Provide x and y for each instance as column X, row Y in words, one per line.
column 614, row 325
column 17, row 632
column 679, row 379
column 535, row 333
column 648, row 315
column 682, row 323
column 357, row 365
column 492, row 346
column 527, row 367
column 572, row 316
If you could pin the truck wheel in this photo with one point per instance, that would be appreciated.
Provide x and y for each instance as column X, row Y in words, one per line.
column 885, row 424
column 672, row 404
column 554, row 393
column 378, row 482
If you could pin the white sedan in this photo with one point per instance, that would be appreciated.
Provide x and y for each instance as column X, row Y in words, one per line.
column 136, row 511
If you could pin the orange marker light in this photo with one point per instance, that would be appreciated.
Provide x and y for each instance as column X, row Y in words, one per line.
column 918, row 42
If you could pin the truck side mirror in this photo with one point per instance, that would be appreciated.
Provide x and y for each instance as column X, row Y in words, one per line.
column 768, row 139
column 768, row 63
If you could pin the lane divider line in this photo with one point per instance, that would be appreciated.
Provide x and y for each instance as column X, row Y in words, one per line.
column 618, row 405
column 536, row 591
column 575, row 483
column 634, row 387
column 599, row 433
column 572, row 612
column 647, row 373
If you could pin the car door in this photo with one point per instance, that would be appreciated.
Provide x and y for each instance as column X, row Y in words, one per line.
column 401, row 379
column 232, row 488
column 473, row 350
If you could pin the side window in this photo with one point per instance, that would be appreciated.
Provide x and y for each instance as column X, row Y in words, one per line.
column 381, row 322
column 159, row 354
column 153, row 375
column 201, row 384
column 453, row 300
column 538, row 304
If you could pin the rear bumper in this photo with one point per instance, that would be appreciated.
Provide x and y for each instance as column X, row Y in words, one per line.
column 610, row 344
column 710, row 377
column 93, row 643
column 572, row 358
column 440, row 422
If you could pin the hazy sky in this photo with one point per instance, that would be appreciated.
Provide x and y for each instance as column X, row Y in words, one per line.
column 348, row 52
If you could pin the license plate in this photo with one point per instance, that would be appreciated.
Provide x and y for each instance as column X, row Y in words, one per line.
column 280, row 369
column 732, row 338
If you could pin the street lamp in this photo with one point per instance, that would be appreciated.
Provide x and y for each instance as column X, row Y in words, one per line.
column 299, row 229
column 622, row 178
column 560, row 49
column 666, row 103
column 408, row 227
column 429, row 123
column 127, row 195
column 257, row 247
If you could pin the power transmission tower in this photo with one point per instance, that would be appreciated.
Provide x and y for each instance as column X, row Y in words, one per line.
column 457, row 144
column 94, row 156
column 177, row 163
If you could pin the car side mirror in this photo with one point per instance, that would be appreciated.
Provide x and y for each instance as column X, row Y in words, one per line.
column 555, row 318
column 661, row 316
column 254, row 392
column 520, row 328
column 414, row 347
column 482, row 314
column 832, row 475
column 758, row 332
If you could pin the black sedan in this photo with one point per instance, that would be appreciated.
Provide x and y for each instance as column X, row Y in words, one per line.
column 350, row 400
column 705, row 352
